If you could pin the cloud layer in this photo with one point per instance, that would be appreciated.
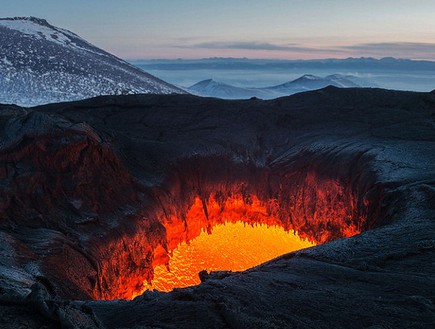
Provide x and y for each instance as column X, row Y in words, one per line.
column 243, row 45
column 396, row 49
column 413, row 50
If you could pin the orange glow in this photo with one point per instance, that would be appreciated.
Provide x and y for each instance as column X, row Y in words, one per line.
column 207, row 215
column 234, row 232
column 231, row 246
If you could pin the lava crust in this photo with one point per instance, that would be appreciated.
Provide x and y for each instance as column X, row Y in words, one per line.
column 94, row 194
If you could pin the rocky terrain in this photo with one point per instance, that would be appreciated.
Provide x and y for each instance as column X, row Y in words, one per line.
column 41, row 63
column 86, row 188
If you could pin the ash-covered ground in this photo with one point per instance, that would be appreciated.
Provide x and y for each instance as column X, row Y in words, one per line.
column 84, row 187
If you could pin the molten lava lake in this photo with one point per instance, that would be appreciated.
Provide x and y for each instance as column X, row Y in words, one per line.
column 235, row 233
column 229, row 246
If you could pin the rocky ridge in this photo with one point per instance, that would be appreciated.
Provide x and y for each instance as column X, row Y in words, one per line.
column 86, row 185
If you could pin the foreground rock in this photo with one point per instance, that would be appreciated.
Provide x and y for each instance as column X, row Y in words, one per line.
column 80, row 217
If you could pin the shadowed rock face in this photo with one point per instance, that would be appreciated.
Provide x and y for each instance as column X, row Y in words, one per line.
column 87, row 187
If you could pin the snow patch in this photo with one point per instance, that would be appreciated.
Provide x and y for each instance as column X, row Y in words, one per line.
column 41, row 64
column 36, row 30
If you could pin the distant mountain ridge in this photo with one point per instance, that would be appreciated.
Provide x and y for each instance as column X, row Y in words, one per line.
column 388, row 73
column 211, row 88
column 337, row 64
column 41, row 63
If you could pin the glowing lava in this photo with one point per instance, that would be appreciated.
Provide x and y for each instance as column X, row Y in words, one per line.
column 234, row 232
column 230, row 246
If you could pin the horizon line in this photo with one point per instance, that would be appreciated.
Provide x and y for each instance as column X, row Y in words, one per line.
column 280, row 59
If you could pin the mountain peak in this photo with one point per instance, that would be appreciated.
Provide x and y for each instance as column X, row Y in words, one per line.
column 306, row 77
column 309, row 77
column 307, row 82
column 312, row 82
column 39, row 28
column 41, row 63
column 37, row 20
column 207, row 81
column 204, row 83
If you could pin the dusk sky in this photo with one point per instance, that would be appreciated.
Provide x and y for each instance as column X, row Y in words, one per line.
column 286, row 29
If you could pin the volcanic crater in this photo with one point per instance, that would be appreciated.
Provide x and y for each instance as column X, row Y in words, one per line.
column 96, row 195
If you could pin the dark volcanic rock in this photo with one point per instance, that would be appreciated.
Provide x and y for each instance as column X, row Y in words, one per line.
column 84, row 187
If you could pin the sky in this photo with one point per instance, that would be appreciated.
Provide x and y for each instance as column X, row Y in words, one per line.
column 279, row 29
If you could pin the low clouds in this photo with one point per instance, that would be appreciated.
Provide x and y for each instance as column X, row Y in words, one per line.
column 412, row 50
column 243, row 45
column 415, row 50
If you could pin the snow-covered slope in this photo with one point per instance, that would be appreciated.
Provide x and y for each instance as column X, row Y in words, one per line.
column 40, row 63
column 307, row 82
